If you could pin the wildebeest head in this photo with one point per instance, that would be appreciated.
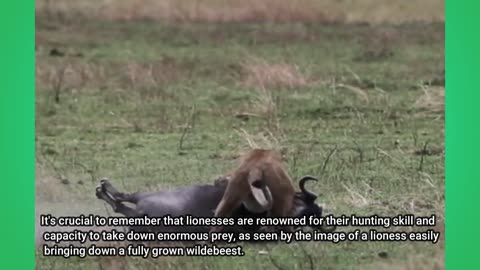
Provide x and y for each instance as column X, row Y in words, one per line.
column 305, row 204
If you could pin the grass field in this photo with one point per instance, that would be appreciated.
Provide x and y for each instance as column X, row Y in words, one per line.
column 155, row 103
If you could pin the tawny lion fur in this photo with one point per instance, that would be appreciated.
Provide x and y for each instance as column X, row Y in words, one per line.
column 259, row 167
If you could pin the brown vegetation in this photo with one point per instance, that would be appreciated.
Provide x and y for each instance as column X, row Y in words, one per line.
column 260, row 73
column 80, row 74
column 433, row 99
column 214, row 11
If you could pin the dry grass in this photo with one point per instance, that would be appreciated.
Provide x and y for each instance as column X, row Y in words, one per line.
column 266, row 106
column 215, row 11
column 211, row 11
column 360, row 93
column 357, row 198
column 77, row 74
column 263, row 74
column 433, row 99
column 265, row 140
column 262, row 140
column 264, row 77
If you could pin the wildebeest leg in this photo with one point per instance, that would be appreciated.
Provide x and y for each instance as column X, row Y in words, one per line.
column 111, row 191
column 117, row 206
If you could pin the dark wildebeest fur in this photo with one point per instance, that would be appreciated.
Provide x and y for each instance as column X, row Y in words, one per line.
column 197, row 201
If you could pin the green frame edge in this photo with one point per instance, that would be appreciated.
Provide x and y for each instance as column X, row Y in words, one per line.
column 462, row 56
column 17, row 135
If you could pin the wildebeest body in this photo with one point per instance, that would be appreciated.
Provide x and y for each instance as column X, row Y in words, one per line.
column 195, row 200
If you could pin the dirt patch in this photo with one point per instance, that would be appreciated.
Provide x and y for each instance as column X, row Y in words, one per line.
column 53, row 196
column 65, row 208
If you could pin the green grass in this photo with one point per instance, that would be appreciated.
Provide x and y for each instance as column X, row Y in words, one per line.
column 130, row 90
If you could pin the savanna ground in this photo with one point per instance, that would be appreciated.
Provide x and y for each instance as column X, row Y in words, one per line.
column 160, row 94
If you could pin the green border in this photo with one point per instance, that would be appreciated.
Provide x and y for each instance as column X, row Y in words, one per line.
column 17, row 139
column 462, row 44
column 17, row 135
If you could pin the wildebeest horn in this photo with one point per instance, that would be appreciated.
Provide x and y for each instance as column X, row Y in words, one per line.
column 301, row 184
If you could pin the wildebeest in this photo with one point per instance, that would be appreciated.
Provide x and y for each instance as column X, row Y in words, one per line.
column 198, row 200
